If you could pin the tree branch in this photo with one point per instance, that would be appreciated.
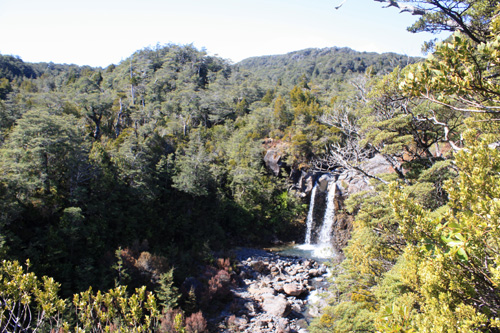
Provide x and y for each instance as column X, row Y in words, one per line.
column 488, row 109
column 404, row 7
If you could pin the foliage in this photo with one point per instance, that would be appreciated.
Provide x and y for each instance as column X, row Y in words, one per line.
column 173, row 321
column 111, row 177
column 423, row 257
column 459, row 72
column 327, row 65
column 115, row 310
column 454, row 251
column 32, row 304
column 167, row 293
column 28, row 302
column 469, row 17
column 13, row 67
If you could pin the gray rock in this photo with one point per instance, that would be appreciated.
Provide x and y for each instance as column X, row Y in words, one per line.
column 259, row 291
column 296, row 307
column 272, row 161
column 323, row 182
column 278, row 286
column 283, row 325
column 240, row 322
column 293, row 289
column 259, row 266
column 302, row 323
column 313, row 272
column 276, row 305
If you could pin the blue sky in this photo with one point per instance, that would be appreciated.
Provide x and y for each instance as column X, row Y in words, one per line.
column 101, row 32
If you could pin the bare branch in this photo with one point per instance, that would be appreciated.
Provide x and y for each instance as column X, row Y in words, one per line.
column 403, row 7
column 445, row 126
column 343, row 2
column 486, row 109
column 350, row 160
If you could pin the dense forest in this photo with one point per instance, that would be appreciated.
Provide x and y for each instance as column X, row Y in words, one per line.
column 122, row 189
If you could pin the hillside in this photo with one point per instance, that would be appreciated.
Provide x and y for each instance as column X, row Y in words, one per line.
column 129, row 185
column 326, row 64
column 128, row 138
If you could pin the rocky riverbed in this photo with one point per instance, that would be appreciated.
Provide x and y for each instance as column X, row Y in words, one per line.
column 272, row 293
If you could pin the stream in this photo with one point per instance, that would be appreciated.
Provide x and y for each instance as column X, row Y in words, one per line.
column 275, row 292
column 279, row 287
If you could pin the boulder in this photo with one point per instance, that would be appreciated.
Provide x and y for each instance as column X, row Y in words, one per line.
column 352, row 182
column 283, row 325
column 296, row 307
column 276, row 305
column 323, row 182
column 278, row 286
column 293, row 289
column 314, row 272
column 303, row 182
column 259, row 266
column 259, row 291
column 272, row 161
column 238, row 323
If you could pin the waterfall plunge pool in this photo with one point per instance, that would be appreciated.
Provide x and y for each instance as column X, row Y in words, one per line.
column 318, row 252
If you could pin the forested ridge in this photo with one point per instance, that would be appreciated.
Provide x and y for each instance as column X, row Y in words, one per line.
column 123, row 188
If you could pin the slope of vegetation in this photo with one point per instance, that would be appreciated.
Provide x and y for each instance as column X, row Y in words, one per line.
column 112, row 177
column 124, row 184
column 323, row 66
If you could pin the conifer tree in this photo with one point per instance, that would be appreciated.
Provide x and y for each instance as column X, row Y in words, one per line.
column 167, row 294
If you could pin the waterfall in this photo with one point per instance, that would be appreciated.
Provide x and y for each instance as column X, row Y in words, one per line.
column 325, row 234
column 322, row 247
column 309, row 221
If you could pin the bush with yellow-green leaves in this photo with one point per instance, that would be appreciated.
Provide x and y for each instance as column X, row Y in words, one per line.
column 32, row 304
column 28, row 303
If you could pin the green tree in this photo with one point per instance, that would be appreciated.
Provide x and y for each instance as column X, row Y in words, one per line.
column 5, row 88
column 44, row 155
column 471, row 17
column 454, row 251
column 460, row 76
column 194, row 175
column 445, row 261
column 167, row 294
column 97, row 110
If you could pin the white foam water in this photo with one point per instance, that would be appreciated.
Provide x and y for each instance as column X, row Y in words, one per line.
column 323, row 248
column 310, row 214
column 325, row 234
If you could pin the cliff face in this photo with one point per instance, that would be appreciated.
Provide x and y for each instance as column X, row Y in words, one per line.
column 344, row 182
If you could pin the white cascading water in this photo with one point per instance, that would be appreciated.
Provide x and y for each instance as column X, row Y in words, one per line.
column 325, row 234
column 309, row 221
column 323, row 247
